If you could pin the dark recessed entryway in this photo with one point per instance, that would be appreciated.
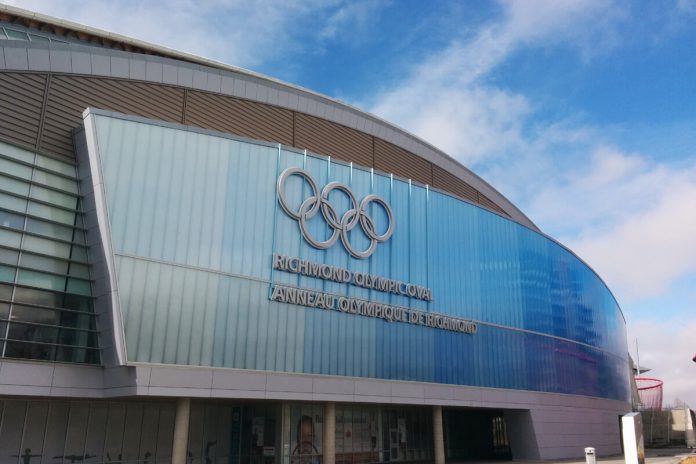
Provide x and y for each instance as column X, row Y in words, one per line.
column 476, row 434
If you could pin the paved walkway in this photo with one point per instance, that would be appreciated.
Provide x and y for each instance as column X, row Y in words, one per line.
column 652, row 456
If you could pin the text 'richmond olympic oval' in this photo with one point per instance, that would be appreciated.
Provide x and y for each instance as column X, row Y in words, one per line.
column 341, row 225
column 342, row 275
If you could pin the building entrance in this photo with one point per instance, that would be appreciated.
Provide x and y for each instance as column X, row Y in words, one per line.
column 476, row 434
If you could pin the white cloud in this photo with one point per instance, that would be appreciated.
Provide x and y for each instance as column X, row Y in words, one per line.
column 667, row 347
column 627, row 215
column 686, row 6
column 237, row 32
column 473, row 123
column 446, row 99
column 648, row 248
column 632, row 219
column 351, row 20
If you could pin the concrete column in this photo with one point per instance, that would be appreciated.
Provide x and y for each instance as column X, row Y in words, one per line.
column 329, row 433
column 438, row 436
column 181, row 429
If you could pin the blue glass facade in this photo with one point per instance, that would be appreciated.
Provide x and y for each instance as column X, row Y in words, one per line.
column 195, row 222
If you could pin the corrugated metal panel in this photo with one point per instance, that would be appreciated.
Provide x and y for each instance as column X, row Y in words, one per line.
column 327, row 138
column 451, row 183
column 390, row 158
column 70, row 95
column 21, row 98
column 488, row 203
column 241, row 117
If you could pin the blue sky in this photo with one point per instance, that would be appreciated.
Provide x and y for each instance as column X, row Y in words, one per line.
column 582, row 112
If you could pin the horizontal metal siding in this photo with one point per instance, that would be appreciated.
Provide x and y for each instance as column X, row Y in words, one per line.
column 22, row 95
column 235, row 116
column 392, row 159
column 450, row 183
column 21, row 99
column 488, row 203
column 327, row 138
column 70, row 95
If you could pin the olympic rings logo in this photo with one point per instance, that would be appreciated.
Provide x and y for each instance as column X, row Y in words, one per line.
column 341, row 226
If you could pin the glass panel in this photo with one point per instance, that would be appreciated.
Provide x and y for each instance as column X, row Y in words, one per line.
column 132, row 431
column 11, row 432
column 77, row 303
column 77, row 430
column 51, row 213
column 16, row 153
column 15, row 186
column 77, row 338
column 79, row 286
column 38, row 38
column 94, row 444
column 46, row 247
column 7, row 273
column 113, row 442
column 34, row 333
column 45, row 264
column 46, row 178
column 10, row 239
column 9, row 256
column 16, row 35
column 13, row 203
column 79, row 270
column 165, row 434
column 37, row 315
column 32, row 443
column 57, row 423
column 79, row 254
column 76, row 320
column 12, row 220
column 56, row 165
column 76, row 355
column 4, row 314
column 306, row 433
column 53, row 197
column 51, row 230
column 196, row 431
column 5, row 292
column 79, row 237
column 15, row 169
column 148, row 439
column 41, row 280
column 24, row 350
column 38, row 297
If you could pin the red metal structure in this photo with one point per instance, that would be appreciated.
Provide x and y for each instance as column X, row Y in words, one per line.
column 650, row 392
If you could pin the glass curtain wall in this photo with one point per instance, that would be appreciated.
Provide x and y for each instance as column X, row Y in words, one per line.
column 129, row 432
column 45, row 289
column 42, row 431
column 195, row 220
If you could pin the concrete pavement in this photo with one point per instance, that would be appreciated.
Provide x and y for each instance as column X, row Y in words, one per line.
column 652, row 456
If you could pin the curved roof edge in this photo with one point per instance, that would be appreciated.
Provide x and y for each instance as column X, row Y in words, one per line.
column 298, row 98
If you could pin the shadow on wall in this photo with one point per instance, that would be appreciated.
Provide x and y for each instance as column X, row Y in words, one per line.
column 674, row 427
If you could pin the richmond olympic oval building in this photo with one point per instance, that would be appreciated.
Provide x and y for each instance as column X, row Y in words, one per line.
column 200, row 264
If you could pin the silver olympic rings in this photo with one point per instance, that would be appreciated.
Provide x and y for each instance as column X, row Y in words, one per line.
column 357, row 214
